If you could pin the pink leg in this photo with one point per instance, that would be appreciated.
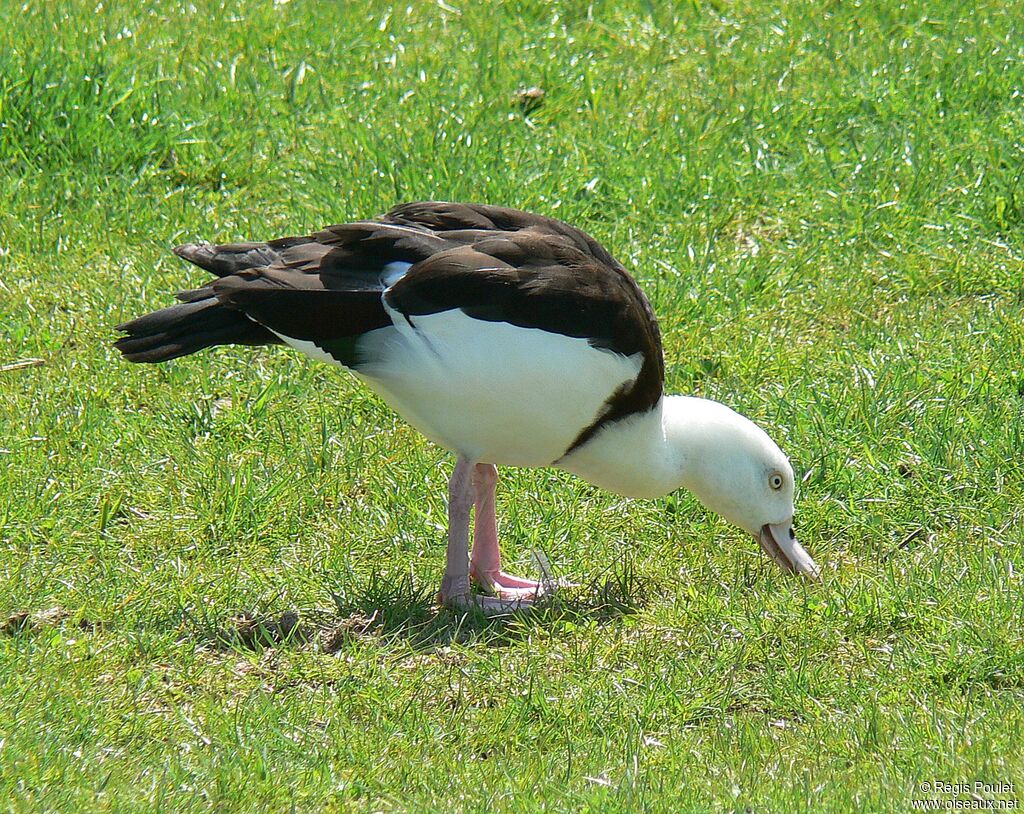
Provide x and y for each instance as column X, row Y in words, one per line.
column 455, row 583
column 485, row 564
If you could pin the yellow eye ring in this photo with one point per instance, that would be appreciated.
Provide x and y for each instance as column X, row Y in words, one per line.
column 775, row 481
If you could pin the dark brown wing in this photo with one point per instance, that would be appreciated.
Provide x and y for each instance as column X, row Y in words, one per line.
column 325, row 288
column 495, row 264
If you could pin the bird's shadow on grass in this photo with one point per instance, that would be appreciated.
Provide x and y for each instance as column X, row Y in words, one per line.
column 401, row 608
column 397, row 607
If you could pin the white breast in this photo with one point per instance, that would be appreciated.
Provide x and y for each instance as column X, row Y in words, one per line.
column 491, row 391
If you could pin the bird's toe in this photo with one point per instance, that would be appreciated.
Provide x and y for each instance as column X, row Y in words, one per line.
column 489, row 605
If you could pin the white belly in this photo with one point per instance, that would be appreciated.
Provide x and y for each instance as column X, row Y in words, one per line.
column 493, row 392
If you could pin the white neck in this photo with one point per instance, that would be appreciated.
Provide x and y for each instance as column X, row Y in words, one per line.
column 682, row 442
column 646, row 455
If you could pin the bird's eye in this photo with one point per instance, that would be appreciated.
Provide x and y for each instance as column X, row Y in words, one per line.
column 775, row 481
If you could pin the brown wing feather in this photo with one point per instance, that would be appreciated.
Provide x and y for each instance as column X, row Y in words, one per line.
column 323, row 287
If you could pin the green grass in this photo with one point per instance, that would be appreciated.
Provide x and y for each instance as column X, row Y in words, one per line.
column 824, row 203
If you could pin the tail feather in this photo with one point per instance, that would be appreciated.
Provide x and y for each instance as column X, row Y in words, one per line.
column 188, row 327
column 202, row 319
column 230, row 258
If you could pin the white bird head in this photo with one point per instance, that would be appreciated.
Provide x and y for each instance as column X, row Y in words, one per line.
column 733, row 467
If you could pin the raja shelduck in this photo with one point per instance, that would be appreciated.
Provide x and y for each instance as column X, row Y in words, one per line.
column 507, row 337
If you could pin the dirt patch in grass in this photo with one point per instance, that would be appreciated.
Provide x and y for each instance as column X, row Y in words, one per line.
column 318, row 629
column 35, row 621
column 253, row 632
column 334, row 636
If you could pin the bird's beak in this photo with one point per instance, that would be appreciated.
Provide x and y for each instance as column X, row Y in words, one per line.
column 779, row 543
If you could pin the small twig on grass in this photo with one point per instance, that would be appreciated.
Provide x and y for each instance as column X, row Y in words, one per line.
column 21, row 364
